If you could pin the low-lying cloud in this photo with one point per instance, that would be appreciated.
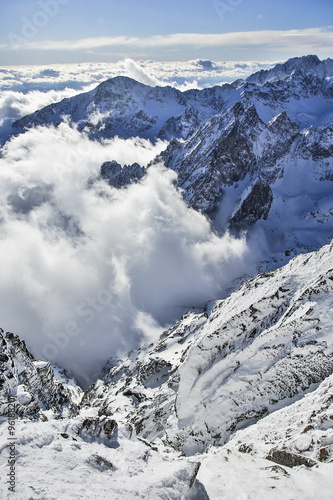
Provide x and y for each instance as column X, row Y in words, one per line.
column 89, row 271
column 78, row 77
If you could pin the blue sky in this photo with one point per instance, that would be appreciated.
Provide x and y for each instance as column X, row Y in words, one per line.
column 59, row 31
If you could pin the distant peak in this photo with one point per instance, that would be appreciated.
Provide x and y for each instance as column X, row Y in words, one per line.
column 309, row 59
column 294, row 66
column 121, row 80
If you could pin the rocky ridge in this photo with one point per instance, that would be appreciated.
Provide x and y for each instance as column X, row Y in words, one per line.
column 240, row 172
column 123, row 107
column 36, row 385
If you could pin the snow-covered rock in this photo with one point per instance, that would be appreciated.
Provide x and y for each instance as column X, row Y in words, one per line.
column 35, row 385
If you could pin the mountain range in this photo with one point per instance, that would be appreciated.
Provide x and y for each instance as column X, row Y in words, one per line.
column 235, row 400
column 255, row 155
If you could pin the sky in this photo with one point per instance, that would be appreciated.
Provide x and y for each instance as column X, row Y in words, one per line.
column 74, row 31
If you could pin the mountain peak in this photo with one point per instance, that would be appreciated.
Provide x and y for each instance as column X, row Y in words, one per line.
column 122, row 80
column 300, row 65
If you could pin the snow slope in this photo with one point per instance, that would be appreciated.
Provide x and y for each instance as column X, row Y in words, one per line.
column 266, row 343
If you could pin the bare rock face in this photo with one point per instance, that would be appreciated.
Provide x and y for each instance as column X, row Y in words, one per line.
column 254, row 207
column 120, row 177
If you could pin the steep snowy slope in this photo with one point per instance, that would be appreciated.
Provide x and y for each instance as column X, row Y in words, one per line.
column 215, row 372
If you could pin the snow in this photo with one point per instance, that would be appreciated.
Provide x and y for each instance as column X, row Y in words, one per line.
column 54, row 462
column 230, row 475
column 23, row 396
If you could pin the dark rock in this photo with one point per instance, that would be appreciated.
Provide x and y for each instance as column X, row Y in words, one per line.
column 100, row 429
column 120, row 177
column 254, row 207
column 102, row 462
column 324, row 455
column 288, row 459
column 277, row 470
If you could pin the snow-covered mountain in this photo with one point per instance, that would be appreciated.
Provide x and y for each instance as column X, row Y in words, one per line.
column 126, row 108
column 236, row 400
column 243, row 172
column 256, row 154
column 121, row 106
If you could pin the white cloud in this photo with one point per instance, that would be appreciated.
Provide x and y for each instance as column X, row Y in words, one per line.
column 300, row 39
column 27, row 88
column 89, row 271
column 138, row 73
column 13, row 105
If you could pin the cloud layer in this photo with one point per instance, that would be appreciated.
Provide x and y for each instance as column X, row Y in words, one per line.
column 310, row 39
column 25, row 89
column 88, row 271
